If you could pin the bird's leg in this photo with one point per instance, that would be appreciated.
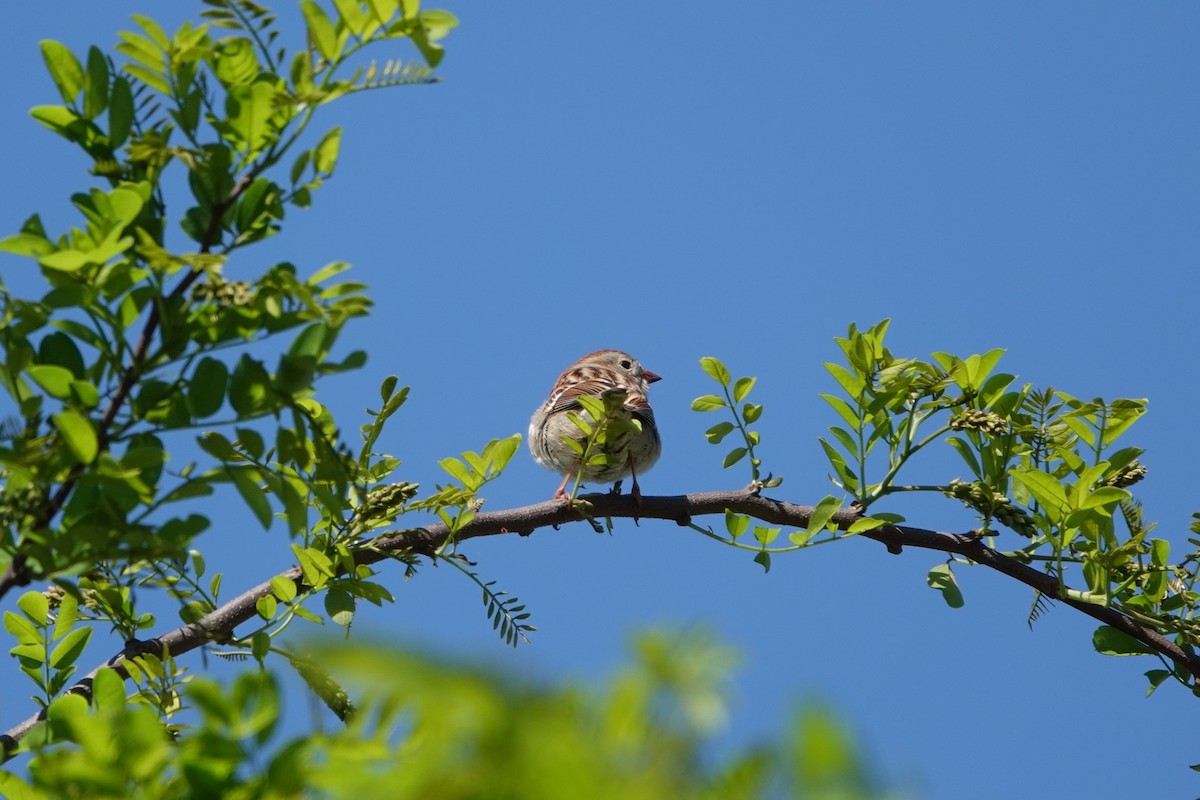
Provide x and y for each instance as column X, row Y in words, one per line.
column 560, row 493
column 636, row 491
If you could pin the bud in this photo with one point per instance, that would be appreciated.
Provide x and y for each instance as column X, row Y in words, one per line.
column 974, row 419
column 1127, row 475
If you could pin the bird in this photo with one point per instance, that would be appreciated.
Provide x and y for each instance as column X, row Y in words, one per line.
column 630, row 444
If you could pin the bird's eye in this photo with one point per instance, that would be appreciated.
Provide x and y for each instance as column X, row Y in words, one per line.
column 625, row 363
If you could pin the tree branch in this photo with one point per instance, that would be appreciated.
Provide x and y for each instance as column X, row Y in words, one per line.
column 220, row 624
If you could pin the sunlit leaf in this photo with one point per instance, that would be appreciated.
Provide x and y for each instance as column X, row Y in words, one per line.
column 79, row 435
column 942, row 578
column 715, row 370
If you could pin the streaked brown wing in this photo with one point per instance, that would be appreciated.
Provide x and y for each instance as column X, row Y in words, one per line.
column 639, row 406
column 569, row 397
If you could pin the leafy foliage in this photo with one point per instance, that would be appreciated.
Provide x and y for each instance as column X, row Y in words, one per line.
column 644, row 734
column 144, row 344
column 1043, row 464
column 139, row 341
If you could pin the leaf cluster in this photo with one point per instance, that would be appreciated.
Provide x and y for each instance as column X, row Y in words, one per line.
column 644, row 733
column 1041, row 463
column 144, row 343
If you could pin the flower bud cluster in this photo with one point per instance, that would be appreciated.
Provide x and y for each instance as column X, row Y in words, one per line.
column 974, row 419
column 384, row 499
column 1127, row 475
column 993, row 505
column 223, row 292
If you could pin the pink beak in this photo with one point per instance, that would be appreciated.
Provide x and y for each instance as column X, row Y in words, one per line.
column 651, row 377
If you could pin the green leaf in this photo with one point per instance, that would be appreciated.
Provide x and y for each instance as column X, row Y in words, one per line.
column 942, row 578
column 1048, row 491
column 1123, row 413
column 501, row 451
column 736, row 524
column 26, row 244
column 1156, row 678
column 823, row 513
column 352, row 15
column 742, row 388
column 459, row 471
column 1111, row 642
column 851, row 383
column 751, row 412
column 800, row 538
column 64, row 68
column 718, row 432
column 283, row 588
column 249, row 108
column 250, row 441
column 764, row 535
column 844, row 410
column 95, row 95
column 79, row 435
column 315, row 566
column 1102, row 496
column 36, row 607
column 845, row 476
column 54, row 379
column 70, row 648
column 964, row 449
column 326, row 272
column 198, row 565
column 340, row 605
column 217, row 446
column 236, row 62
column 311, row 341
column 845, row 439
column 709, row 402
column 866, row 524
column 266, row 606
column 84, row 394
column 432, row 25
column 1160, row 551
column 245, row 479
column 250, row 388
column 108, row 691
column 320, row 29
column 68, row 613
column 382, row 10
column 21, row 628
column 59, row 348
column 206, row 389
column 325, row 154
column 735, row 455
column 715, row 370
column 294, row 508
column 120, row 112
column 764, row 559
column 260, row 645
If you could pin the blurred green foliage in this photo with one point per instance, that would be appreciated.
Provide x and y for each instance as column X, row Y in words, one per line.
column 427, row 727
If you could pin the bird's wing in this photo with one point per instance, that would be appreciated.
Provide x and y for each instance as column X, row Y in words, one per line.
column 569, row 397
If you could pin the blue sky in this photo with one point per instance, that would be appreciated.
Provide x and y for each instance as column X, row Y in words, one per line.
column 743, row 181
